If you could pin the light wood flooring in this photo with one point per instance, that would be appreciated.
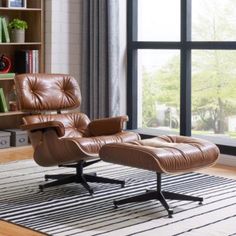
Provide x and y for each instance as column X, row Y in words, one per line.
column 7, row 155
column 16, row 153
column 9, row 229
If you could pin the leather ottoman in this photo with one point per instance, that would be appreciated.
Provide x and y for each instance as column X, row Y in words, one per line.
column 164, row 154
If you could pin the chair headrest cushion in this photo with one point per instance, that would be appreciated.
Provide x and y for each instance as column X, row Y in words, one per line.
column 47, row 92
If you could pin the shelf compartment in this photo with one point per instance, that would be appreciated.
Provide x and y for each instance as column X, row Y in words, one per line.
column 33, row 19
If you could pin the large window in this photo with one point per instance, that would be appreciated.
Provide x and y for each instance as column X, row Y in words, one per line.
column 159, row 89
column 150, row 20
column 182, row 68
column 213, row 20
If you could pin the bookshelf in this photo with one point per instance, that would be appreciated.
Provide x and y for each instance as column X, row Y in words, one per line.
column 33, row 14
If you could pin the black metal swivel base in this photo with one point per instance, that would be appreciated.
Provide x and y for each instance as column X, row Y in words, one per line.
column 159, row 195
column 79, row 177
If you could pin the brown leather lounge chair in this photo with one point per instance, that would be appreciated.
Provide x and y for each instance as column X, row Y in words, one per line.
column 65, row 139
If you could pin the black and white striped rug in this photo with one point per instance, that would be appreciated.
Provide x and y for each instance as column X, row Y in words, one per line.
column 69, row 210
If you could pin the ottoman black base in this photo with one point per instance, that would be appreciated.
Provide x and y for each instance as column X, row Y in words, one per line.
column 159, row 195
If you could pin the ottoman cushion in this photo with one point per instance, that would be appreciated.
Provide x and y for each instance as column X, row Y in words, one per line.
column 163, row 154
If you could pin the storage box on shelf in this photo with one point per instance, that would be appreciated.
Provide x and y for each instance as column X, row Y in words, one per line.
column 33, row 14
column 4, row 139
column 18, row 137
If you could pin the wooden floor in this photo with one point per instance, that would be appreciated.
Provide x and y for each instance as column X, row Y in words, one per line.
column 9, row 229
column 7, row 155
column 221, row 170
column 16, row 153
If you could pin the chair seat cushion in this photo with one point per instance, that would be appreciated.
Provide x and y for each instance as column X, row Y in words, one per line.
column 169, row 154
column 92, row 145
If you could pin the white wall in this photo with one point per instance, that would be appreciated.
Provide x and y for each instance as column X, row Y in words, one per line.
column 62, row 36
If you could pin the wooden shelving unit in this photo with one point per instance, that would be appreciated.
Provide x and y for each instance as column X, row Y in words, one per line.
column 34, row 40
column 19, row 44
column 12, row 113
column 20, row 9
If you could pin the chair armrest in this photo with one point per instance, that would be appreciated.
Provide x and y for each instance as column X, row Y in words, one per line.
column 56, row 125
column 107, row 126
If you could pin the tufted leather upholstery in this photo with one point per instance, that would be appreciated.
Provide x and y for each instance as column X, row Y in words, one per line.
column 75, row 124
column 43, row 92
column 163, row 154
column 68, row 137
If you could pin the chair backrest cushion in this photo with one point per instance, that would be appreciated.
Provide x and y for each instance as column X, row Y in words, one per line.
column 47, row 92
column 75, row 124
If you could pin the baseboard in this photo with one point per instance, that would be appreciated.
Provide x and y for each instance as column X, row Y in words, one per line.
column 227, row 160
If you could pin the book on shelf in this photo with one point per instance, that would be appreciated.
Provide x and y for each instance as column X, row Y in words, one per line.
column 7, row 75
column 5, row 32
column 27, row 61
column 3, row 103
column 36, row 57
column 35, row 61
column 21, row 61
column 30, row 61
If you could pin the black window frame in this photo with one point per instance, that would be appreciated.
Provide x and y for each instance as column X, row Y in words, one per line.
column 185, row 45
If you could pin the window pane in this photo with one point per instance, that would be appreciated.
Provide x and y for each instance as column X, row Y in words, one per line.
column 213, row 20
column 159, row 20
column 214, row 95
column 159, row 89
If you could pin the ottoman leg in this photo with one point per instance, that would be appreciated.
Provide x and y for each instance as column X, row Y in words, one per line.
column 152, row 195
column 178, row 196
column 162, row 200
column 99, row 179
column 158, row 195
column 138, row 198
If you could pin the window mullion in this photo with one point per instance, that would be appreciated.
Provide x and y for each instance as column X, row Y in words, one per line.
column 185, row 70
column 132, row 84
